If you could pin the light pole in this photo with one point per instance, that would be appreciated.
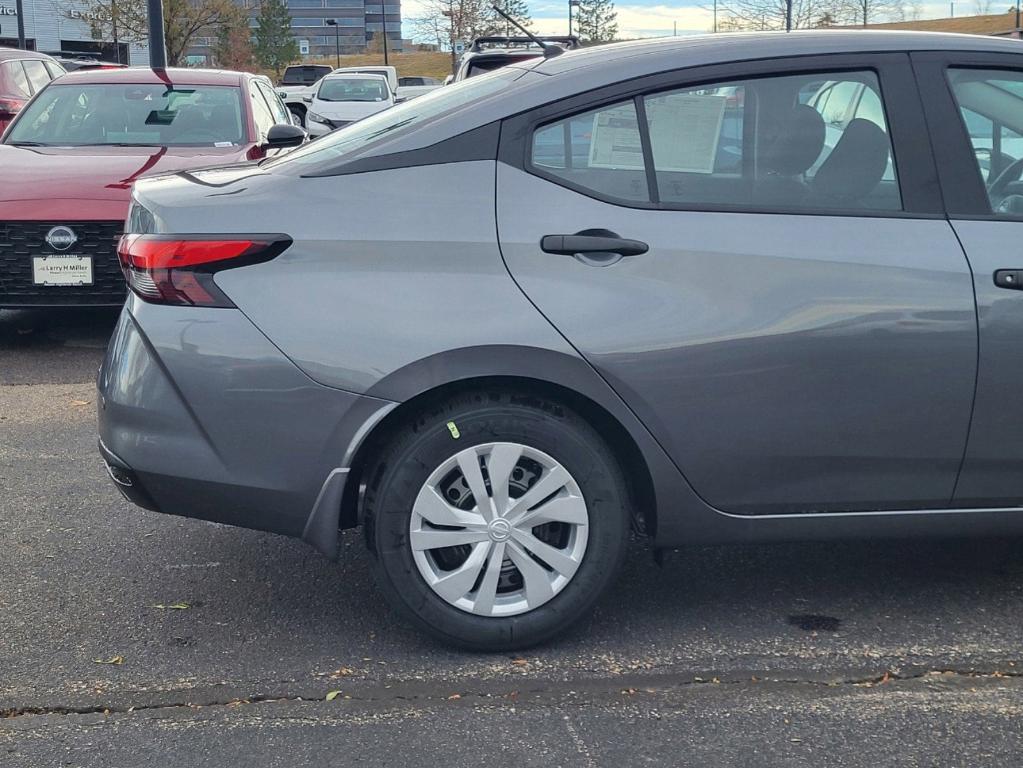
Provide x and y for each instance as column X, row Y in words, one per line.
column 337, row 38
column 157, row 45
column 20, row 10
column 383, row 27
column 571, row 4
column 450, row 13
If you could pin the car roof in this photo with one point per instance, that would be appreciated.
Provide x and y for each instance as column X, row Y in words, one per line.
column 669, row 53
column 355, row 75
column 7, row 54
column 146, row 76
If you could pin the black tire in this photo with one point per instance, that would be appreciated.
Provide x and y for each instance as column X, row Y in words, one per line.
column 423, row 445
column 298, row 112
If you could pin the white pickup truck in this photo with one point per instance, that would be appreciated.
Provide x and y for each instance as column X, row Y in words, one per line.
column 298, row 97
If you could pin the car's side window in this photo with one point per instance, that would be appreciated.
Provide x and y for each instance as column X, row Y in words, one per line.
column 991, row 105
column 38, row 77
column 17, row 79
column 280, row 113
column 598, row 150
column 809, row 141
column 261, row 113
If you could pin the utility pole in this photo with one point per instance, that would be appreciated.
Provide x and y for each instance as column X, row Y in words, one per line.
column 113, row 28
column 20, row 10
column 788, row 15
column 337, row 39
column 715, row 27
column 157, row 44
column 383, row 27
column 450, row 13
column 571, row 4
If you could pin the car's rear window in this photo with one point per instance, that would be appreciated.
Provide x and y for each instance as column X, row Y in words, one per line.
column 303, row 75
column 352, row 89
column 126, row 114
column 397, row 120
column 482, row 64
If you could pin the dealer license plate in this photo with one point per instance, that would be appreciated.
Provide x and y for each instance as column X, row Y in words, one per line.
column 63, row 269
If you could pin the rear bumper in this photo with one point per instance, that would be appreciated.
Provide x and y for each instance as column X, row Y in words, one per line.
column 200, row 416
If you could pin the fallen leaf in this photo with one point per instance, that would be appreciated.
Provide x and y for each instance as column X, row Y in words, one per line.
column 111, row 660
column 333, row 695
column 80, row 403
column 519, row 662
column 454, row 696
column 172, row 607
column 343, row 672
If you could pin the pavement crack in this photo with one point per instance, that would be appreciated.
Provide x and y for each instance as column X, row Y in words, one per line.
column 512, row 690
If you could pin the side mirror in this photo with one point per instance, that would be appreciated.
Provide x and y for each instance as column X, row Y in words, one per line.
column 283, row 135
column 307, row 99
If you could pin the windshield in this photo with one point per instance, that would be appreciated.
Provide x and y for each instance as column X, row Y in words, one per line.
column 399, row 118
column 352, row 89
column 127, row 114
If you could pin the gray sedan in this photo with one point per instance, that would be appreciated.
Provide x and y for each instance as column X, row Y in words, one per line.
column 732, row 288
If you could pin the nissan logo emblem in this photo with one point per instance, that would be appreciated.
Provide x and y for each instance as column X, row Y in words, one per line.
column 61, row 238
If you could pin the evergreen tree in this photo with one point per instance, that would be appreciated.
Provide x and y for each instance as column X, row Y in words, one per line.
column 597, row 21
column 518, row 10
column 275, row 46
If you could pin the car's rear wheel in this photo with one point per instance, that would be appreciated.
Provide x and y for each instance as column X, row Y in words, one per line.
column 496, row 519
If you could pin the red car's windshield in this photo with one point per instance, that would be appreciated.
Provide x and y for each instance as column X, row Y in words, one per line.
column 128, row 114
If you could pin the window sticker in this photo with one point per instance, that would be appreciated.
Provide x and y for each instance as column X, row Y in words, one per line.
column 685, row 130
column 615, row 139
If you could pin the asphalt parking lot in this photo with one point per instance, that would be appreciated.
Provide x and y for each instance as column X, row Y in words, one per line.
column 129, row 638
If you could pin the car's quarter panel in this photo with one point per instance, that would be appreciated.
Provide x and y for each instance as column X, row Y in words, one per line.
column 387, row 269
column 787, row 363
column 217, row 423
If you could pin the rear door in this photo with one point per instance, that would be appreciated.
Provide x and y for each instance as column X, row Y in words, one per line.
column 795, row 319
column 975, row 102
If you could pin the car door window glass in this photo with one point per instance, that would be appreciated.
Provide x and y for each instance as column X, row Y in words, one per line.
column 991, row 105
column 38, row 77
column 261, row 114
column 813, row 141
column 17, row 80
column 280, row 114
column 600, row 151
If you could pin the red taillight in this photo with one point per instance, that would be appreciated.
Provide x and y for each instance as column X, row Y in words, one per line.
column 179, row 269
column 10, row 107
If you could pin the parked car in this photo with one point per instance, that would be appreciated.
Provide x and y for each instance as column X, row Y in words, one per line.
column 297, row 83
column 70, row 157
column 411, row 87
column 341, row 100
column 22, row 74
column 489, row 53
column 73, row 64
column 297, row 99
column 618, row 328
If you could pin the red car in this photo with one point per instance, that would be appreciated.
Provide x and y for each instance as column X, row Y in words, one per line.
column 71, row 155
column 22, row 74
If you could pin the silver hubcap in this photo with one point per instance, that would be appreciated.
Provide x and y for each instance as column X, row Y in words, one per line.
column 499, row 529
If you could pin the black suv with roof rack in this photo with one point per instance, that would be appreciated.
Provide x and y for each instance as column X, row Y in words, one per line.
column 490, row 53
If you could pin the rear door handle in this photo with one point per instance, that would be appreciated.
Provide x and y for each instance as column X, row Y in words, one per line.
column 1009, row 278
column 592, row 242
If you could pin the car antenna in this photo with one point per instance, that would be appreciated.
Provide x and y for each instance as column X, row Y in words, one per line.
column 550, row 50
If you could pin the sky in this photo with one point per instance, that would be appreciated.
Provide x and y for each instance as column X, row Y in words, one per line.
column 655, row 19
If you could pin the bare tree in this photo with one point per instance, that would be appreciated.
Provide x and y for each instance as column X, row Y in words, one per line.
column 767, row 15
column 983, row 7
column 183, row 21
column 864, row 12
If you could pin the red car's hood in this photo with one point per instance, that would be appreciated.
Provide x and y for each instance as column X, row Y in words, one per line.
column 83, row 183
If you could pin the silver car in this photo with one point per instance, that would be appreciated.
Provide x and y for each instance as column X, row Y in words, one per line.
column 648, row 286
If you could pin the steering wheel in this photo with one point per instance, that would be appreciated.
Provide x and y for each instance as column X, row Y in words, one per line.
column 996, row 189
